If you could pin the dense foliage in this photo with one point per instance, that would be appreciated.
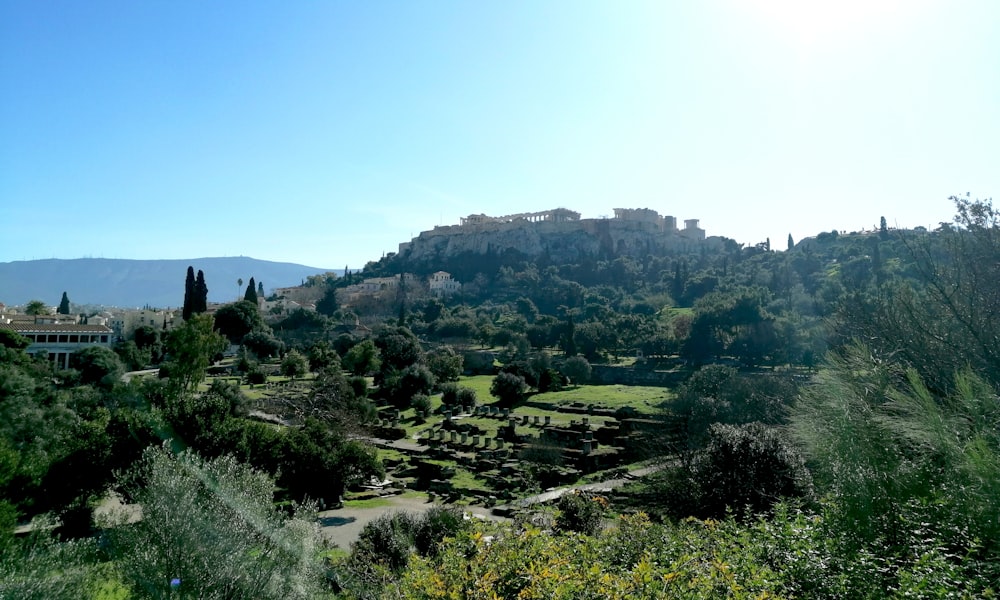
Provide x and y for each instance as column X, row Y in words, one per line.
column 834, row 433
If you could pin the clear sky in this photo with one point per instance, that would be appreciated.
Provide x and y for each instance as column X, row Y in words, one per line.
column 325, row 133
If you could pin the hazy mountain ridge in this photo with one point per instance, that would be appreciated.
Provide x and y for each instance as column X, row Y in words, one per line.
column 123, row 282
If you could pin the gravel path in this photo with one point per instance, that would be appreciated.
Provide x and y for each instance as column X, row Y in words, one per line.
column 342, row 526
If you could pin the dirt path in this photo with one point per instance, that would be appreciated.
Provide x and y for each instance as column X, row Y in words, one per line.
column 343, row 525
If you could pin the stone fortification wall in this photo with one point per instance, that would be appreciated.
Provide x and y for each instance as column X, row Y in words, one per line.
column 563, row 241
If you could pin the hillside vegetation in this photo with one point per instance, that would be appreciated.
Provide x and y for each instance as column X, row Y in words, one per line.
column 814, row 423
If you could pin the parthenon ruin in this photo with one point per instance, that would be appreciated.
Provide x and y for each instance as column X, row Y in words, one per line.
column 557, row 215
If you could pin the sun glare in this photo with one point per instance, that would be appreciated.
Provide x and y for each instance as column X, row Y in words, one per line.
column 811, row 23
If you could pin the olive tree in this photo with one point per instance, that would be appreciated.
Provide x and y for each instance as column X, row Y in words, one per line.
column 209, row 529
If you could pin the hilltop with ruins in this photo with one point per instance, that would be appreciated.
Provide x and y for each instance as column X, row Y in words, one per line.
column 559, row 234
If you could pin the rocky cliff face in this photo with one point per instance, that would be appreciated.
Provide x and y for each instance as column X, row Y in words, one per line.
column 561, row 242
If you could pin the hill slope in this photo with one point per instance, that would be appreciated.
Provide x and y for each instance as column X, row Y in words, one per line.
column 158, row 283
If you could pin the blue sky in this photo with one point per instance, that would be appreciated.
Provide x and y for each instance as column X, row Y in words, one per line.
column 325, row 133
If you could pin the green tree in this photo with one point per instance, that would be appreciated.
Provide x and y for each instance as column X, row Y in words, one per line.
column 508, row 388
column 321, row 355
column 209, row 529
column 98, row 366
column 63, row 305
column 577, row 369
column 191, row 349
column 36, row 307
column 294, row 364
column 238, row 319
column 148, row 338
column 263, row 344
column 363, row 358
column 320, row 462
column 11, row 339
column 189, row 294
column 200, row 302
column 251, row 293
column 445, row 364
column 327, row 305
column 897, row 456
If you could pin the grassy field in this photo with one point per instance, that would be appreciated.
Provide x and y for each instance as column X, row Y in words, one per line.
column 645, row 399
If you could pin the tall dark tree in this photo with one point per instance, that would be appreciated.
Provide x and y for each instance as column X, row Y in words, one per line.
column 63, row 305
column 200, row 303
column 883, row 229
column 791, row 242
column 251, row 293
column 327, row 305
column 189, row 293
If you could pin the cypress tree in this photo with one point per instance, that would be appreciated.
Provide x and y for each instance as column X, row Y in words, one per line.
column 791, row 242
column 200, row 302
column 63, row 305
column 189, row 294
column 251, row 294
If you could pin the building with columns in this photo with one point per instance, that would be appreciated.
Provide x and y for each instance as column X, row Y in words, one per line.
column 59, row 340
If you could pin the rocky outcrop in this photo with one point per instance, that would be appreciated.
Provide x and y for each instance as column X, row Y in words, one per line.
column 559, row 241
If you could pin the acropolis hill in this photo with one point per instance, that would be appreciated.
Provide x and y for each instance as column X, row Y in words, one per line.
column 559, row 234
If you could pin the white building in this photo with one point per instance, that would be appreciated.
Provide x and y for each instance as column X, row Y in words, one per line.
column 441, row 284
column 59, row 340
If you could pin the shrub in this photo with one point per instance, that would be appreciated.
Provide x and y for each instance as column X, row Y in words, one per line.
column 581, row 513
column 508, row 388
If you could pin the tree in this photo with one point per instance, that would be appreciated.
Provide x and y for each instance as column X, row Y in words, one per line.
column 238, row 319
column 63, row 305
column 209, row 529
column 36, row 307
column 251, row 293
column 327, row 305
column 580, row 513
column 791, row 242
column 149, row 338
column 192, row 348
column 294, row 364
column 445, row 364
column 98, row 366
column 421, row 404
column 577, row 369
column 320, row 462
column 239, row 286
column 263, row 344
column 362, row 358
column 11, row 339
column 189, row 294
column 398, row 346
column 948, row 322
column 200, row 294
column 132, row 356
column 883, row 229
column 508, row 388
column 747, row 468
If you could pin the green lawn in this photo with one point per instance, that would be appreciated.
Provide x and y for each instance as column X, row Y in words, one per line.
column 643, row 398
column 481, row 384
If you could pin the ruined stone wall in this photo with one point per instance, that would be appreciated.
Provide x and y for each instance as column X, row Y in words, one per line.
column 562, row 241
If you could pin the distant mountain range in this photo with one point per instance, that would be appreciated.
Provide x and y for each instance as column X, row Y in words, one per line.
column 137, row 283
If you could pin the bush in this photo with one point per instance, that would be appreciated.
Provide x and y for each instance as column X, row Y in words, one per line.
column 508, row 389
column 437, row 523
column 421, row 403
column 748, row 467
column 580, row 513
column 453, row 394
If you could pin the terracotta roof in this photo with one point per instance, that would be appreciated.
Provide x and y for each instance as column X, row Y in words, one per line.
column 52, row 328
